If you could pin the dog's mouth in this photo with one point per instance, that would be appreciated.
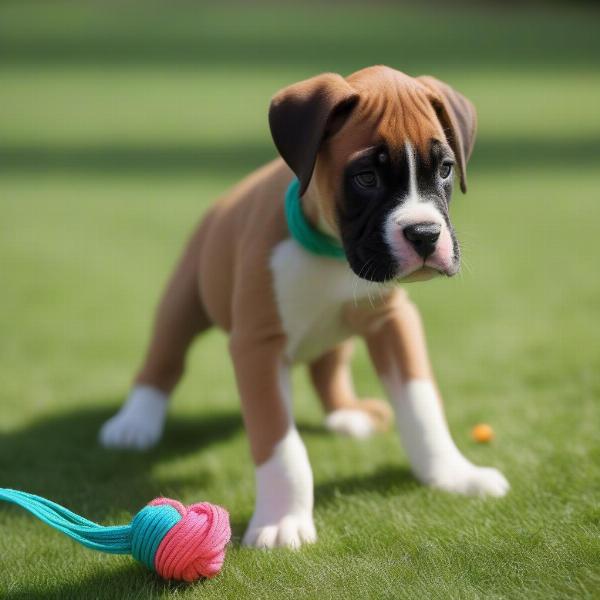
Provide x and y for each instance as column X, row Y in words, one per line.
column 390, row 269
column 421, row 274
column 425, row 272
column 391, row 275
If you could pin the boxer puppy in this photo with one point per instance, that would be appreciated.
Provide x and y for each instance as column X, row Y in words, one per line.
column 374, row 156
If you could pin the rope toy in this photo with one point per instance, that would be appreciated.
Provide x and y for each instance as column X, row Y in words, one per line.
column 178, row 542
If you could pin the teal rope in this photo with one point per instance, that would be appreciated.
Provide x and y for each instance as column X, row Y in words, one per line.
column 303, row 232
column 114, row 540
column 149, row 527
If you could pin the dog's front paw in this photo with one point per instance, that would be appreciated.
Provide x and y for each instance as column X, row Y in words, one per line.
column 360, row 420
column 469, row 479
column 139, row 424
column 289, row 532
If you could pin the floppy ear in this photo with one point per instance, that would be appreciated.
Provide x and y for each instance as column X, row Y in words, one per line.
column 302, row 115
column 458, row 118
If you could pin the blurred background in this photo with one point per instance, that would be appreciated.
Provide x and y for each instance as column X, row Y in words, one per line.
column 120, row 122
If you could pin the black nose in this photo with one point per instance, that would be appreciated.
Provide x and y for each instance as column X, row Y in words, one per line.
column 423, row 237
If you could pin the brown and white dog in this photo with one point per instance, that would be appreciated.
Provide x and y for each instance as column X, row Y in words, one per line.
column 374, row 154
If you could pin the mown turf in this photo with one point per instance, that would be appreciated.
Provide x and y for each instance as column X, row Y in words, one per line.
column 120, row 123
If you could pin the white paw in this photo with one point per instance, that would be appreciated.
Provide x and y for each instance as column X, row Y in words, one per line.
column 290, row 532
column 466, row 478
column 124, row 432
column 351, row 422
column 139, row 424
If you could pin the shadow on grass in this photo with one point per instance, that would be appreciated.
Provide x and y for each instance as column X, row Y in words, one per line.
column 264, row 36
column 385, row 482
column 130, row 581
column 118, row 158
column 326, row 54
column 59, row 457
column 246, row 155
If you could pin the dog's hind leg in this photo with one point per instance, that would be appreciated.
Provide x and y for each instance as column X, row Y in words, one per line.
column 180, row 317
column 332, row 378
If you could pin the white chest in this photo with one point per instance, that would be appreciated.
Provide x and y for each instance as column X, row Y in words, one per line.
column 311, row 292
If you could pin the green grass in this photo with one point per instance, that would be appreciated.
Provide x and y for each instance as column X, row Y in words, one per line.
column 120, row 123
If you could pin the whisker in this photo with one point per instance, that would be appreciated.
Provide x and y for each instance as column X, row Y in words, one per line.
column 370, row 283
column 355, row 286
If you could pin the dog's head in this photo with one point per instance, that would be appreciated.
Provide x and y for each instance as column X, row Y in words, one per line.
column 380, row 149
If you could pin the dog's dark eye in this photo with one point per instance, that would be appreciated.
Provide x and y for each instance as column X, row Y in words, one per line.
column 366, row 179
column 445, row 169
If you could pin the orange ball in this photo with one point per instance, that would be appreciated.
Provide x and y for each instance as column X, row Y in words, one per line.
column 482, row 433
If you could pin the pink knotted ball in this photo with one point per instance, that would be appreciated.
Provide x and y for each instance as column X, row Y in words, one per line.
column 194, row 546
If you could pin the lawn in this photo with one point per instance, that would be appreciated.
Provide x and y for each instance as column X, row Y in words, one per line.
column 121, row 122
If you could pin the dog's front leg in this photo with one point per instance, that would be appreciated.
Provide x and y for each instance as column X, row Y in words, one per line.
column 284, row 482
column 399, row 353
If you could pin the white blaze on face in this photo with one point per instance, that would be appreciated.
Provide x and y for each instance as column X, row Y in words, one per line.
column 412, row 210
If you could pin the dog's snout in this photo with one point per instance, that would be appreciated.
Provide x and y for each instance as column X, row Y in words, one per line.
column 423, row 237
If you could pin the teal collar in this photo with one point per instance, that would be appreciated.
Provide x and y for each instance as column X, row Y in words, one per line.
column 303, row 232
